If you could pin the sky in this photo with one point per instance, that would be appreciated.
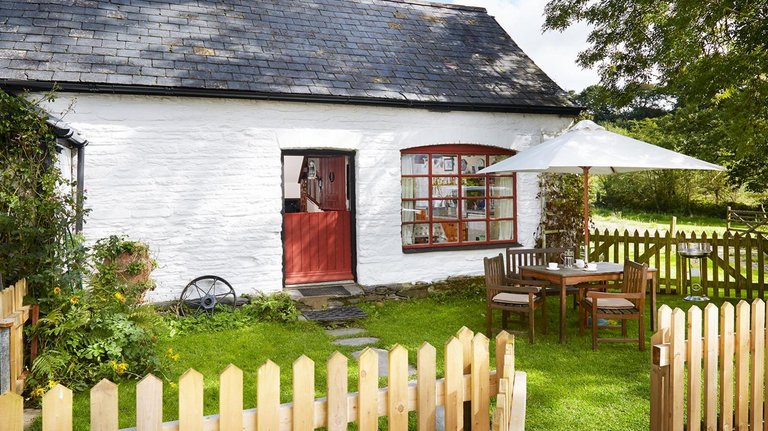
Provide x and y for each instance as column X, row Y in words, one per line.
column 553, row 52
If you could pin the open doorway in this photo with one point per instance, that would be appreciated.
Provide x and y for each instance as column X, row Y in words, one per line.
column 318, row 217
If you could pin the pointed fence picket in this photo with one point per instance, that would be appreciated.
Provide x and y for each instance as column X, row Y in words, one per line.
column 467, row 379
column 707, row 374
column 510, row 401
column 735, row 268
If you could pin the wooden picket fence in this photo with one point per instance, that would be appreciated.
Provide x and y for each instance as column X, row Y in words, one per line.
column 735, row 269
column 467, row 379
column 13, row 314
column 747, row 221
column 709, row 372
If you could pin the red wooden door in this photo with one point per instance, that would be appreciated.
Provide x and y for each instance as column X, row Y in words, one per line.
column 332, row 172
column 317, row 247
column 318, row 244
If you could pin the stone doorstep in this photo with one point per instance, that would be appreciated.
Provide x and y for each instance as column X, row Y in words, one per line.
column 322, row 301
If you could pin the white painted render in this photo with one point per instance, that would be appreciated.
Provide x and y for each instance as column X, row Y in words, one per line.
column 291, row 171
column 199, row 179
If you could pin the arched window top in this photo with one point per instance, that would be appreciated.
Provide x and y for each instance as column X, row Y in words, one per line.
column 459, row 149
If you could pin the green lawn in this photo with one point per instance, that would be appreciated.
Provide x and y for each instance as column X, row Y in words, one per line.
column 641, row 221
column 569, row 386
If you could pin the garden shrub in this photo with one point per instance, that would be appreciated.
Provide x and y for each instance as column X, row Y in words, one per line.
column 103, row 331
column 222, row 319
column 276, row 307
column 35, row 213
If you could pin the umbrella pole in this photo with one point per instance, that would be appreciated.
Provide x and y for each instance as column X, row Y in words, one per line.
column 586, row 214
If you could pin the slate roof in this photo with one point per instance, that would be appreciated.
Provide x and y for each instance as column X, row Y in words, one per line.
column 380, row 51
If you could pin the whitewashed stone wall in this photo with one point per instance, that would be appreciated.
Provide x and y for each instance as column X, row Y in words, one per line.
column 199, row 179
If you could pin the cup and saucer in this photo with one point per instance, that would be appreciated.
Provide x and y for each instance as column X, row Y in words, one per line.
column 552, row 266
column 590, row 267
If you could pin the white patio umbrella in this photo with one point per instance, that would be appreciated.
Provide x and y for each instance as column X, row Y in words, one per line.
column 588, row 148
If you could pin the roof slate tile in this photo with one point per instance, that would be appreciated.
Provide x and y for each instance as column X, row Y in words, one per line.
column 380, row 49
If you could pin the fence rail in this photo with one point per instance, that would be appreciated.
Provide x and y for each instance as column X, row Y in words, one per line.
column 467, row 379
column 13, row 314
column 735, row 268
column 747, row 221
column 709, row 372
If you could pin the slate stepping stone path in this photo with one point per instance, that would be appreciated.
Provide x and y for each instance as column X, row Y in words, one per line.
column 338, row 314
column 358, row 341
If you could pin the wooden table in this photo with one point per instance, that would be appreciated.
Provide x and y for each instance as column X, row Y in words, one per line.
column 563, row 277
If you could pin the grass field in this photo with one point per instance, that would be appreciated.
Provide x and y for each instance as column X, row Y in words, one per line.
column 570, row 387
column 631, row 221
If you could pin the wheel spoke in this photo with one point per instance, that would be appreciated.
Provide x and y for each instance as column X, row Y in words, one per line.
column 212, row 287
column 201, row 293
column 222, row 296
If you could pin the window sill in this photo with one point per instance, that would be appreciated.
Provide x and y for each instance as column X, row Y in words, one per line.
column 505, row 245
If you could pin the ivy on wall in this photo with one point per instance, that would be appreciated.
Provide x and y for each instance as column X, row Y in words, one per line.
column 35, row 215
column 562, row 215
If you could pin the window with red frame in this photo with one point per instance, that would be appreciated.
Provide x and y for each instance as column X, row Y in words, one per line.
column 445, row 203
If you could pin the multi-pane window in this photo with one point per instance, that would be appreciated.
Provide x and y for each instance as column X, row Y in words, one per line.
column 445, row 203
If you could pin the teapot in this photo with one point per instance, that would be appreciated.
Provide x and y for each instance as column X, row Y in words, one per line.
column 567, row 258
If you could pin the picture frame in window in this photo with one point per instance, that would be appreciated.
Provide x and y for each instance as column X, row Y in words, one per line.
column 448, row 164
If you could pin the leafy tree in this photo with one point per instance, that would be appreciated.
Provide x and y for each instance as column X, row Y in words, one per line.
column 601, row 106
column 709, row 58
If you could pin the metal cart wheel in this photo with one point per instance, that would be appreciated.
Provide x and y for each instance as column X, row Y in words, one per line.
column 204, row 294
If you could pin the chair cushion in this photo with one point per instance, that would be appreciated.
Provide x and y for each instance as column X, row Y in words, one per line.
column 612, row 303
column 511, row 298
column 538, row 288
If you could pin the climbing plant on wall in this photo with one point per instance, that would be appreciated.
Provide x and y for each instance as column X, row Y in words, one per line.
column 562, row 211
column 36, row 209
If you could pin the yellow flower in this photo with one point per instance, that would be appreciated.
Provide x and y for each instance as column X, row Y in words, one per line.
column 119, row 367
column 174, row 385
column 74, row 300
column 52, row 383
column 38, row 392
column 172, row 355
column 120, row 297
column 56, row 290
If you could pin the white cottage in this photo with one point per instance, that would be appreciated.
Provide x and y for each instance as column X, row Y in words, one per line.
column 282, row 142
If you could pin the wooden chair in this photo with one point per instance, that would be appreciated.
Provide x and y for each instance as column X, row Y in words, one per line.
column 517, row 257
column 628, row 304
column 509, row 294
column 451, row 231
